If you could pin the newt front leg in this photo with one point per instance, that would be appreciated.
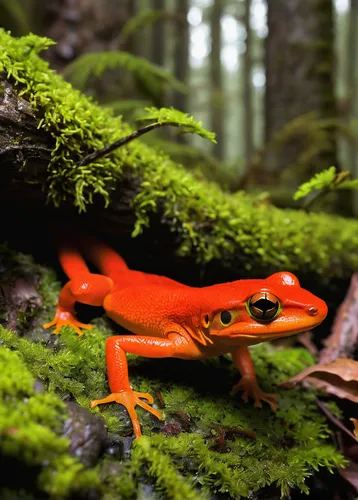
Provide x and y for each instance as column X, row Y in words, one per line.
column 117, row 367
column 248, row 383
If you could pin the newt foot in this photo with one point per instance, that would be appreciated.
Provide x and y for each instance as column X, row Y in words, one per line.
column 250, row 388
column 130, row 399
column 63, row 318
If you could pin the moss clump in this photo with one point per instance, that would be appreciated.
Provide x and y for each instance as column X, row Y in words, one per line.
column 289, row 444
column 190, row 459
column 30, row 430
column 17, row 270
column 210, row 224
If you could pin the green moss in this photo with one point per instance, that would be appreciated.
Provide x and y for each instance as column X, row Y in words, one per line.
column 30, row 429
column 161, row 468
column 289, row 444
column 14, row 266
column 203, row 447
column 210, row 224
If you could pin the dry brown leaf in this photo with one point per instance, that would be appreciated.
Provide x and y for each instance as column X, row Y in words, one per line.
column 355, row 423
column 339, row 378
column 344, row 337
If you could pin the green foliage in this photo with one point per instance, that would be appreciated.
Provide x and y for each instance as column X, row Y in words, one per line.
column 31, row 426
column 144, row 18
column 173, row 116
column 327, row 180
column 322, row 180
column 96, row 63
column 347, row 183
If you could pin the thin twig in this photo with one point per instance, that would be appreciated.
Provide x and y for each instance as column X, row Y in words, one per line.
column 121, row 142
column 334, row 419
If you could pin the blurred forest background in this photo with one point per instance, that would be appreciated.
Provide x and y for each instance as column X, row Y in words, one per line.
column 276, row 80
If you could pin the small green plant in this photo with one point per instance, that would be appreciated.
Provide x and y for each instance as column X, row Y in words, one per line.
column 171, row 116
column 163, row 117
column 325, row 182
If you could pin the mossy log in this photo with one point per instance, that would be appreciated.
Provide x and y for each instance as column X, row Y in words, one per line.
column 46, row 127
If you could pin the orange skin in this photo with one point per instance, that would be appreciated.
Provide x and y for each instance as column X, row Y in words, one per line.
column 174, row 320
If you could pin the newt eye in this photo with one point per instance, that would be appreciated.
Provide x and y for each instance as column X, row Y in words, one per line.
column 225, row 318
column 263, row 306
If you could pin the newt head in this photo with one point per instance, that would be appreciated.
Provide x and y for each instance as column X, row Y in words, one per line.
column 262, row 310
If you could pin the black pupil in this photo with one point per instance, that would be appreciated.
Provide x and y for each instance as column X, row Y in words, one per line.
column 265, row 305
column 225, row 317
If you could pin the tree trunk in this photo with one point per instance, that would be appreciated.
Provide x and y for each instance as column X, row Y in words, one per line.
column 299, row 67
column 247, row 71
column 351, row 79
column 158, row 53
column 181, row 54
column 80, row 26
column 217, row 101
column 158, row 43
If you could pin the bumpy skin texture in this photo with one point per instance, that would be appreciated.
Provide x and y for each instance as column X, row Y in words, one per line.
column 174, row 320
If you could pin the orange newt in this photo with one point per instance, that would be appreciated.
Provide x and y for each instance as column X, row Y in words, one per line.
column 171, row 319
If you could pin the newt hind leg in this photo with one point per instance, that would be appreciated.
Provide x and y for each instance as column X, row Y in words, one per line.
column 86, row 288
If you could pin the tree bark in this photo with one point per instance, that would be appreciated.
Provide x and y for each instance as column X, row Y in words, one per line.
column 247, row 70
column 82, row 26
column 181, row 55
column 217, row 101
column 351, row 82
column 299, row 53
column 22, row 145
column 158, row 43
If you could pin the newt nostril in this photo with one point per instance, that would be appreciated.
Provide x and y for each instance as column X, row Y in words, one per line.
column 312, row 311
